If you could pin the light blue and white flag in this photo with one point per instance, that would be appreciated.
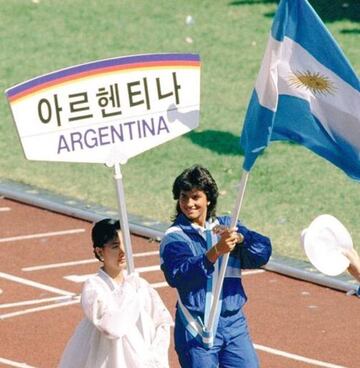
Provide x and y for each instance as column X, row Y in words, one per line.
column 306, row 92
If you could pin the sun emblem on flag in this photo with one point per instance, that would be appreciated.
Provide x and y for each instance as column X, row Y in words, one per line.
column 313, row 81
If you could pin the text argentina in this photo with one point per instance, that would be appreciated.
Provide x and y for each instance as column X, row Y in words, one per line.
column 121, row 132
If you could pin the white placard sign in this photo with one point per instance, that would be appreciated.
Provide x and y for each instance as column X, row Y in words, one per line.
column 98, row 111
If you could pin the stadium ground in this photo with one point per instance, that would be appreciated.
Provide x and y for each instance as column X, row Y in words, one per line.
column 45, row 256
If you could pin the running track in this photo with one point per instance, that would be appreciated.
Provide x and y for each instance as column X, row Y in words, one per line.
column 45, row 256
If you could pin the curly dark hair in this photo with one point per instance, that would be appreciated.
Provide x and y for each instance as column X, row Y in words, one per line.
column 196, row 177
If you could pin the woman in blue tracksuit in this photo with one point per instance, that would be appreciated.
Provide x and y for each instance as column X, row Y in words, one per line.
column 191, row 252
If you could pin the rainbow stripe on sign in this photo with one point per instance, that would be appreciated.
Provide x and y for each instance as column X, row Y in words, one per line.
column 96, row 68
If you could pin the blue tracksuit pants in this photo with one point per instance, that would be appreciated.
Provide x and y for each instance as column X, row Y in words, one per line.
column 232, row 348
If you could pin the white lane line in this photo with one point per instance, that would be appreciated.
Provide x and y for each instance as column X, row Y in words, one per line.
column 78, row 278
column 41, row 235
column 34, row 284
column 58, row 299
column 11, row 363
column 251, row 272
column 85, row 261
column 59, row 265
column 146, row 254
column 300, row 358
column 147, row 269
column 5, row 209
column 82, row 278
column 68, row 301
column 38, row 309
column 35, row 301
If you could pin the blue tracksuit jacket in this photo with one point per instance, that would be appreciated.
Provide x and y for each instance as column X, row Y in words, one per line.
column 186, row 267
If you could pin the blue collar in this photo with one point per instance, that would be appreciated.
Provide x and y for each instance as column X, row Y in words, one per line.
column 185, row 224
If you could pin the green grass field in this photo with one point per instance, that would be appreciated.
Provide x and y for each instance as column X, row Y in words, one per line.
column 288, row 186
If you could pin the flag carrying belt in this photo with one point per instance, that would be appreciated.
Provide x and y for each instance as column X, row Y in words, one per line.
column 194, row 324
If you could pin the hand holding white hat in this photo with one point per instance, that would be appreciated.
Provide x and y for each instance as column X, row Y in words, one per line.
column 354, row 259
column 324, row 242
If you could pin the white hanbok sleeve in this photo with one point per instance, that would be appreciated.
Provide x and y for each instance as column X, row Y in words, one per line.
column 113, row 312
column 162, row 322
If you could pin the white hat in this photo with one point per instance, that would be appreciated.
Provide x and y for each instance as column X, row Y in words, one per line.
column 323, row 241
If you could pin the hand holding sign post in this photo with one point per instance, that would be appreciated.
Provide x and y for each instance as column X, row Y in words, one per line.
column 108, row 111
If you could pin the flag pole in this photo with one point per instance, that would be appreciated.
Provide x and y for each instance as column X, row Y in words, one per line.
column 220, row 281
column 123, row 218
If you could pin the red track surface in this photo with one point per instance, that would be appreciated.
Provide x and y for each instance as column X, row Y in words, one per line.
column 303, row 320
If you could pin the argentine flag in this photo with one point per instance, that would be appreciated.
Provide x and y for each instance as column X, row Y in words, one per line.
column 306, row 92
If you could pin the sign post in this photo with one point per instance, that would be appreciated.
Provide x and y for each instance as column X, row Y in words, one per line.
column 123, row 219
column 108, row 111
column 234, row 218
